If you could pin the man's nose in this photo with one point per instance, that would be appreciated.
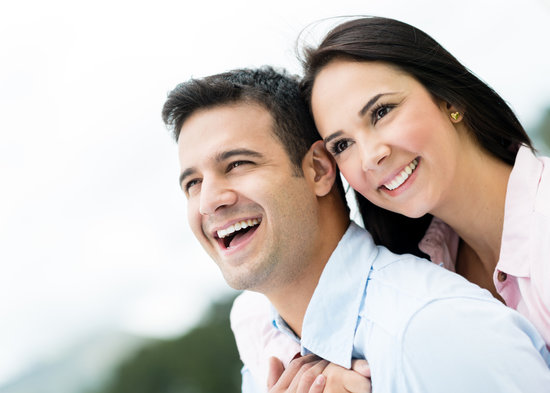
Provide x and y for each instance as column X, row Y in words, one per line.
column 215, row 193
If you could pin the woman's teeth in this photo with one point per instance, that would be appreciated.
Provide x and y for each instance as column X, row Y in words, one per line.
column 237, row 227
column 404, row 175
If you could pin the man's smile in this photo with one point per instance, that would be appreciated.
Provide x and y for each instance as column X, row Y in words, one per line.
column 236, row 233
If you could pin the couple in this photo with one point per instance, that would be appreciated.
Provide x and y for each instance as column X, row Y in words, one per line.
column 415, row 133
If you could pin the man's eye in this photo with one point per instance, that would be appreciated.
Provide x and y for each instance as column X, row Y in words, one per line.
column 191, row 183
column 235, row 164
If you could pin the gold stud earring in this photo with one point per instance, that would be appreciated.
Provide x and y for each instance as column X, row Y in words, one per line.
column 455, row 115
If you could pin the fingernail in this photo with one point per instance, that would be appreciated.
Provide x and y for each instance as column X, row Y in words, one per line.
column 320, row 380
column 364, row 368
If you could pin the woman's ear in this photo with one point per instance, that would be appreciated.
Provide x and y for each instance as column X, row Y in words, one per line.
column 455, row 114
column 320, row 168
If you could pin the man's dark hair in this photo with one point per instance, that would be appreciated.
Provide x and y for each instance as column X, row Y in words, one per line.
column 276, row 91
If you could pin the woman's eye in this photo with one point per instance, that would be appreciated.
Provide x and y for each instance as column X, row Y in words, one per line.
column 339, row 146
column 381, row 112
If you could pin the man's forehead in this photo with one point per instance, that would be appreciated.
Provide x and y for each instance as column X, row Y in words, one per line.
column 210, row 133
column 246, row 118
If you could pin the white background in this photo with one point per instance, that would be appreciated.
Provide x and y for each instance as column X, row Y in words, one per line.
column 93, row 232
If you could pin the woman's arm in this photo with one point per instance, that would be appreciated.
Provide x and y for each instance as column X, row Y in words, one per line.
column 267, row 355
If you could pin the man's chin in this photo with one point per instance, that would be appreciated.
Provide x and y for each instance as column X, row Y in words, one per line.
column 249, row 281
column 241, row 283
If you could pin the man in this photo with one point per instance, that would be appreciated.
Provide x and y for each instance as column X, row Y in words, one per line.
column 262, row 201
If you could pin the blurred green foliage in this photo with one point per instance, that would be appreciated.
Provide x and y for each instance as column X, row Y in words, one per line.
column 205, row 360
column 540, row 133
column 543, row 129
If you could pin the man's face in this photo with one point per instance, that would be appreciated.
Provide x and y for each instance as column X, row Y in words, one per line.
column 250, row 211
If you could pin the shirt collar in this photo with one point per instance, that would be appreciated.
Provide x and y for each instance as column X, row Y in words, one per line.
column 332, row 315
column 521, row 195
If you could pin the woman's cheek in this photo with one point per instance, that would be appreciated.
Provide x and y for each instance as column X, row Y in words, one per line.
column 354, row 176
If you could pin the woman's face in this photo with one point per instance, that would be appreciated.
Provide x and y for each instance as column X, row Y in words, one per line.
column 392, row 141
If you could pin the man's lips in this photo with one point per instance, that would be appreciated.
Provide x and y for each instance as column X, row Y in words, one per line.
column 236, row 233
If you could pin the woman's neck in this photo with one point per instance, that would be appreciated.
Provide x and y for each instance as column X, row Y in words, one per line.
column 475, row 210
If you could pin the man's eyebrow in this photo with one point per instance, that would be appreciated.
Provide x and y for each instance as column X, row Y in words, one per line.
column 186, row 173
column 221, row 157
column 371, row 102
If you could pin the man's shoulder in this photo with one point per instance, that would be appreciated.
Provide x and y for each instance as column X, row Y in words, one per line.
column 405, row 281
column 411, row 284
column 420, row 277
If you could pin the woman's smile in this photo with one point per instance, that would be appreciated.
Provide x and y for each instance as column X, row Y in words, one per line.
column 393, row 142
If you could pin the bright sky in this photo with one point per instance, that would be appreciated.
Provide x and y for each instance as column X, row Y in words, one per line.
column 93, row 232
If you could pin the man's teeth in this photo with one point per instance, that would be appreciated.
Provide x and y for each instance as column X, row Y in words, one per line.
column 404, row 175
column 237, row 227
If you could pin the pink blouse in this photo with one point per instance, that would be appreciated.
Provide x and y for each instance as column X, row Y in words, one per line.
column 522, row 274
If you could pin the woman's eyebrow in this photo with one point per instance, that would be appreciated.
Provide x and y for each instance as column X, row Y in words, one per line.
column 371, row 102
column 332, row 136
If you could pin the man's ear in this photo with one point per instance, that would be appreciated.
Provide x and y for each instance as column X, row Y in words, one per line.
column 320, row 168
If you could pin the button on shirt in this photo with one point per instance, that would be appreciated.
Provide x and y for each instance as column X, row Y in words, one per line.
column 420, row 327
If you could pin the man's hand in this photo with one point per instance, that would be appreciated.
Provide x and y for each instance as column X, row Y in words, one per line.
column 310, row 374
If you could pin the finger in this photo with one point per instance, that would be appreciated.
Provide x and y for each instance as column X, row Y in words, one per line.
column 318, row 385
column 276, row 369
column 356, row 383
column 297, row 366
column 361, row 366
column 295, row 383
column 309, row 376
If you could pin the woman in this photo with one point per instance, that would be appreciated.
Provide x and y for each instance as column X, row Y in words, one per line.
column 435, row 157
column 414, row 132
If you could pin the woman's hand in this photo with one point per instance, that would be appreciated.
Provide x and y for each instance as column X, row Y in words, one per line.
column 303, row 375
column 340, row 379
column 310, row 374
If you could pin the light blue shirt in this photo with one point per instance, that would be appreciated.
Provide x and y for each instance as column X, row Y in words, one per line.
column 421, row 328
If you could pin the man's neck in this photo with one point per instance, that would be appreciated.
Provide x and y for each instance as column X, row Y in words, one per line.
column 291, row 303
column 292, row 299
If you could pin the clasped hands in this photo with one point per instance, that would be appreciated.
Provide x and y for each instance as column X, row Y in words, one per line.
column 311, row 374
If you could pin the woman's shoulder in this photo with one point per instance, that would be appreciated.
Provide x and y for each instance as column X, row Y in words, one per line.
column 440, row 243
